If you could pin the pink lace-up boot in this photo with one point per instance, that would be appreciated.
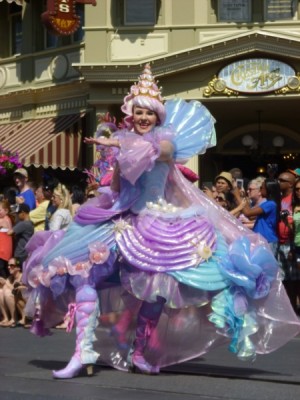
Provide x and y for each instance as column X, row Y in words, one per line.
column 86, row 314
column 147, row 321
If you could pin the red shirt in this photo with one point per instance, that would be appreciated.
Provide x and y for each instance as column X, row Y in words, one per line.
column 283, row 231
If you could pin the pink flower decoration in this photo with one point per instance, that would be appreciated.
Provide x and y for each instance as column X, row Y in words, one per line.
column 34, row 276
column 99, row 252
column 81, row 268
column 59, row 266
column 39, row 275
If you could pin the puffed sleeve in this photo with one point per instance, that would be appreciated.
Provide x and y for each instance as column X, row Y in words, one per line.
column 137, row 155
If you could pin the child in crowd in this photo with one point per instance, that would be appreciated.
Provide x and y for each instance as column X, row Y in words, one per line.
column 23, row 230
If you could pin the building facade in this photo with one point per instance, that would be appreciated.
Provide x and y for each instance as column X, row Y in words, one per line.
column 240, row 58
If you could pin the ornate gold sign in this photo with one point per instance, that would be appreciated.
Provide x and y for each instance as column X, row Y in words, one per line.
column 254, row 76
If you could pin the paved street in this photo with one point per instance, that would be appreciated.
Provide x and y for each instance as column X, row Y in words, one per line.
column 26, row 363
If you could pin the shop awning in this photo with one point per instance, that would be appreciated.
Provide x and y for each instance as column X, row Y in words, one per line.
column 48, row 142
column 19, row 2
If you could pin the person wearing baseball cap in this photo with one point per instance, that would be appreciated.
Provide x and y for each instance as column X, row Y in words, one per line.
column 25, row 193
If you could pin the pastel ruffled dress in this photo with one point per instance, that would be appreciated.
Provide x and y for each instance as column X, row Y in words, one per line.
column 161, row 237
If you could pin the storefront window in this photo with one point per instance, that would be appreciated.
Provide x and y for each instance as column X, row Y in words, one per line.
column 280, row 9
column 234, row 10
column 241, row 10
column 137, row 12
column 16, row 30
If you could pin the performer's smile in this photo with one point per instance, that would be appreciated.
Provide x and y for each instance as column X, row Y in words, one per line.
column 144, row 120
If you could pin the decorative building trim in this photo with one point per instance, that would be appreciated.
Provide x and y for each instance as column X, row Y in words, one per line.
column 227, row 48
column 218, row 87
column 33, row 96
column 63, row 107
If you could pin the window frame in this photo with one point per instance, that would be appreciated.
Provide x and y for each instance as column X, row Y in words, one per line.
column 140, row 22
column 238, row 20
column 15, row 36
column 294, row 11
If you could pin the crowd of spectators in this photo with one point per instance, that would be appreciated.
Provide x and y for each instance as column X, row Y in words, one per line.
column 268, row 205
column 26, row 208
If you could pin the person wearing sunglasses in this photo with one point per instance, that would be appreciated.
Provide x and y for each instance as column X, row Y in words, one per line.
column 12, row 303
column 291, row 278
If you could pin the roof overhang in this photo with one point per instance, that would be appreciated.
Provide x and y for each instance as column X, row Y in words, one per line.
column 225, row 48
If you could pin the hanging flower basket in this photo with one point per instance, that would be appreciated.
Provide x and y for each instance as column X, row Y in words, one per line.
column 9, row 162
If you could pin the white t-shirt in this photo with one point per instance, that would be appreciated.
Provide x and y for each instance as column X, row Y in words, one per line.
column 61, row 219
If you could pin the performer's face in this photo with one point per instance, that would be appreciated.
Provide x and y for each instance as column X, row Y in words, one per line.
column 144, row 120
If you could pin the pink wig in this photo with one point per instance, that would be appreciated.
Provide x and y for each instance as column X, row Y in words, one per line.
column 144, row 94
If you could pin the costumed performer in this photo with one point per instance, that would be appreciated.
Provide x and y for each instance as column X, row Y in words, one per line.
column 185, row 274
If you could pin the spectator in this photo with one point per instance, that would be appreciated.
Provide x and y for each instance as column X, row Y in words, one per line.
column 294, row 254
column 237, row 173
column 23, row 230
column 266, row 213
column 296, row 224
column 255, row 198
column 48, row 189
column 221, row 200
column 10, row 195
column 223, row 183
column 6, row 247
column 78, row 197
column 12, row 302
column 25, row 193
column 38, row 215
column 254, row 191
column 62, row 217
column 92, row 191
column 291, row 279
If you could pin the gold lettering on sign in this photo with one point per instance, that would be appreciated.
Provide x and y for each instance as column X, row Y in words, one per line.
column 255, row 75
column 64, row 8
column 63, row 23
